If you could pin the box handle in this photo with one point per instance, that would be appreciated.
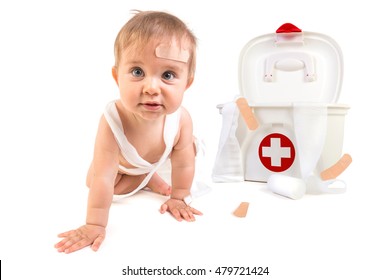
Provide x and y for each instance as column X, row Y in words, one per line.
column 290, row 61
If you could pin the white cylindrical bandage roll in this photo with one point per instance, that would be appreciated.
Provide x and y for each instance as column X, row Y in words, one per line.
column 290, row 187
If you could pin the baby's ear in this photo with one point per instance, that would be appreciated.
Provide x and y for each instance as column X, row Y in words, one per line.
column 189, row 83
column 114, row 72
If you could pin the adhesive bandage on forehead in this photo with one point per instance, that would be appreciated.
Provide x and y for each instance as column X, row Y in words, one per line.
column 172, row 52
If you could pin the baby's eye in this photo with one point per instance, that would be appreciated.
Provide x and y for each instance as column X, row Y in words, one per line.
column 137, row 72
column 168, row 75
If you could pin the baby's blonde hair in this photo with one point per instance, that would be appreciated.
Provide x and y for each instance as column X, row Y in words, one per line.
column 147, row 25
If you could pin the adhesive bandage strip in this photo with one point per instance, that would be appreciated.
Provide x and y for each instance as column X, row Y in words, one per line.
column 172, row 52
column 247, row 113
column 335, row 170
column 241, row 210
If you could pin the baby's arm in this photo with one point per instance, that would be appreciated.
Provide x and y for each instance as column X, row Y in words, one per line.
column 101, row 188
column 183, row 169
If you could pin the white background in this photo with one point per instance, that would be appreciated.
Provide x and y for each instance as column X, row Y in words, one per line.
column 55, row 79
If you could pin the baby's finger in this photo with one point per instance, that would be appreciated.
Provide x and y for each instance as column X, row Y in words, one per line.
column 187, row 214
column 77, row 246
column 195, row 211
column 63, row 245
column 163, row 208
column 98, row 241
column 59, row 245
column 66, row 233
column 176, row 214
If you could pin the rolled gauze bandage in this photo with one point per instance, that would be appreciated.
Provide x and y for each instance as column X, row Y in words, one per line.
column 290, row 187
column 247, row 113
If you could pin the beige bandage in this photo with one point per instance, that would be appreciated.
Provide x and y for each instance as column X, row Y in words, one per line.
column 335, row 170
column 172, row 52
column 241, row 210
column 247, row 113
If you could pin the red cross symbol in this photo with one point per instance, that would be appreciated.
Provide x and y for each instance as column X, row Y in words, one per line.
column 276, row 152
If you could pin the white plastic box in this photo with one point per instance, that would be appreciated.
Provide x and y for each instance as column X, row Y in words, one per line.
column 292, row 82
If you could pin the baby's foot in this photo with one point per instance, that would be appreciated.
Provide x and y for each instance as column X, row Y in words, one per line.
column 158, row 185
column 163, row 189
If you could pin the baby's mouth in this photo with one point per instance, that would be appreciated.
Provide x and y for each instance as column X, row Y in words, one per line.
column 151, row 105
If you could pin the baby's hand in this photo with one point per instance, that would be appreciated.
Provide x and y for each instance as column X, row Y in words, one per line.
column 84, row 236
column 179, row 210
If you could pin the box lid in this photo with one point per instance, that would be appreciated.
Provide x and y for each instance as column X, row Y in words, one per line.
column 291, row 66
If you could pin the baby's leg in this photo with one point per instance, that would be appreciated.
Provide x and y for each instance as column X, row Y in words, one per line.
column 126, row 184
column 158, row 185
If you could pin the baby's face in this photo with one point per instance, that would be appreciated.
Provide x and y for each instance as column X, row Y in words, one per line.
column 152, row 80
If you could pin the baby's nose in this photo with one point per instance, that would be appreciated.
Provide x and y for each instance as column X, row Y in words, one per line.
column 151, row 86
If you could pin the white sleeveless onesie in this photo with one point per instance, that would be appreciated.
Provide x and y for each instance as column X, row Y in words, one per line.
column 141, row 166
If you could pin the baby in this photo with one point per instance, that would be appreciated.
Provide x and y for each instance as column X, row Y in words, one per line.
column 154, row 65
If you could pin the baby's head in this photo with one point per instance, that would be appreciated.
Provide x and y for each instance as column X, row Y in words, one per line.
column 163, row 27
